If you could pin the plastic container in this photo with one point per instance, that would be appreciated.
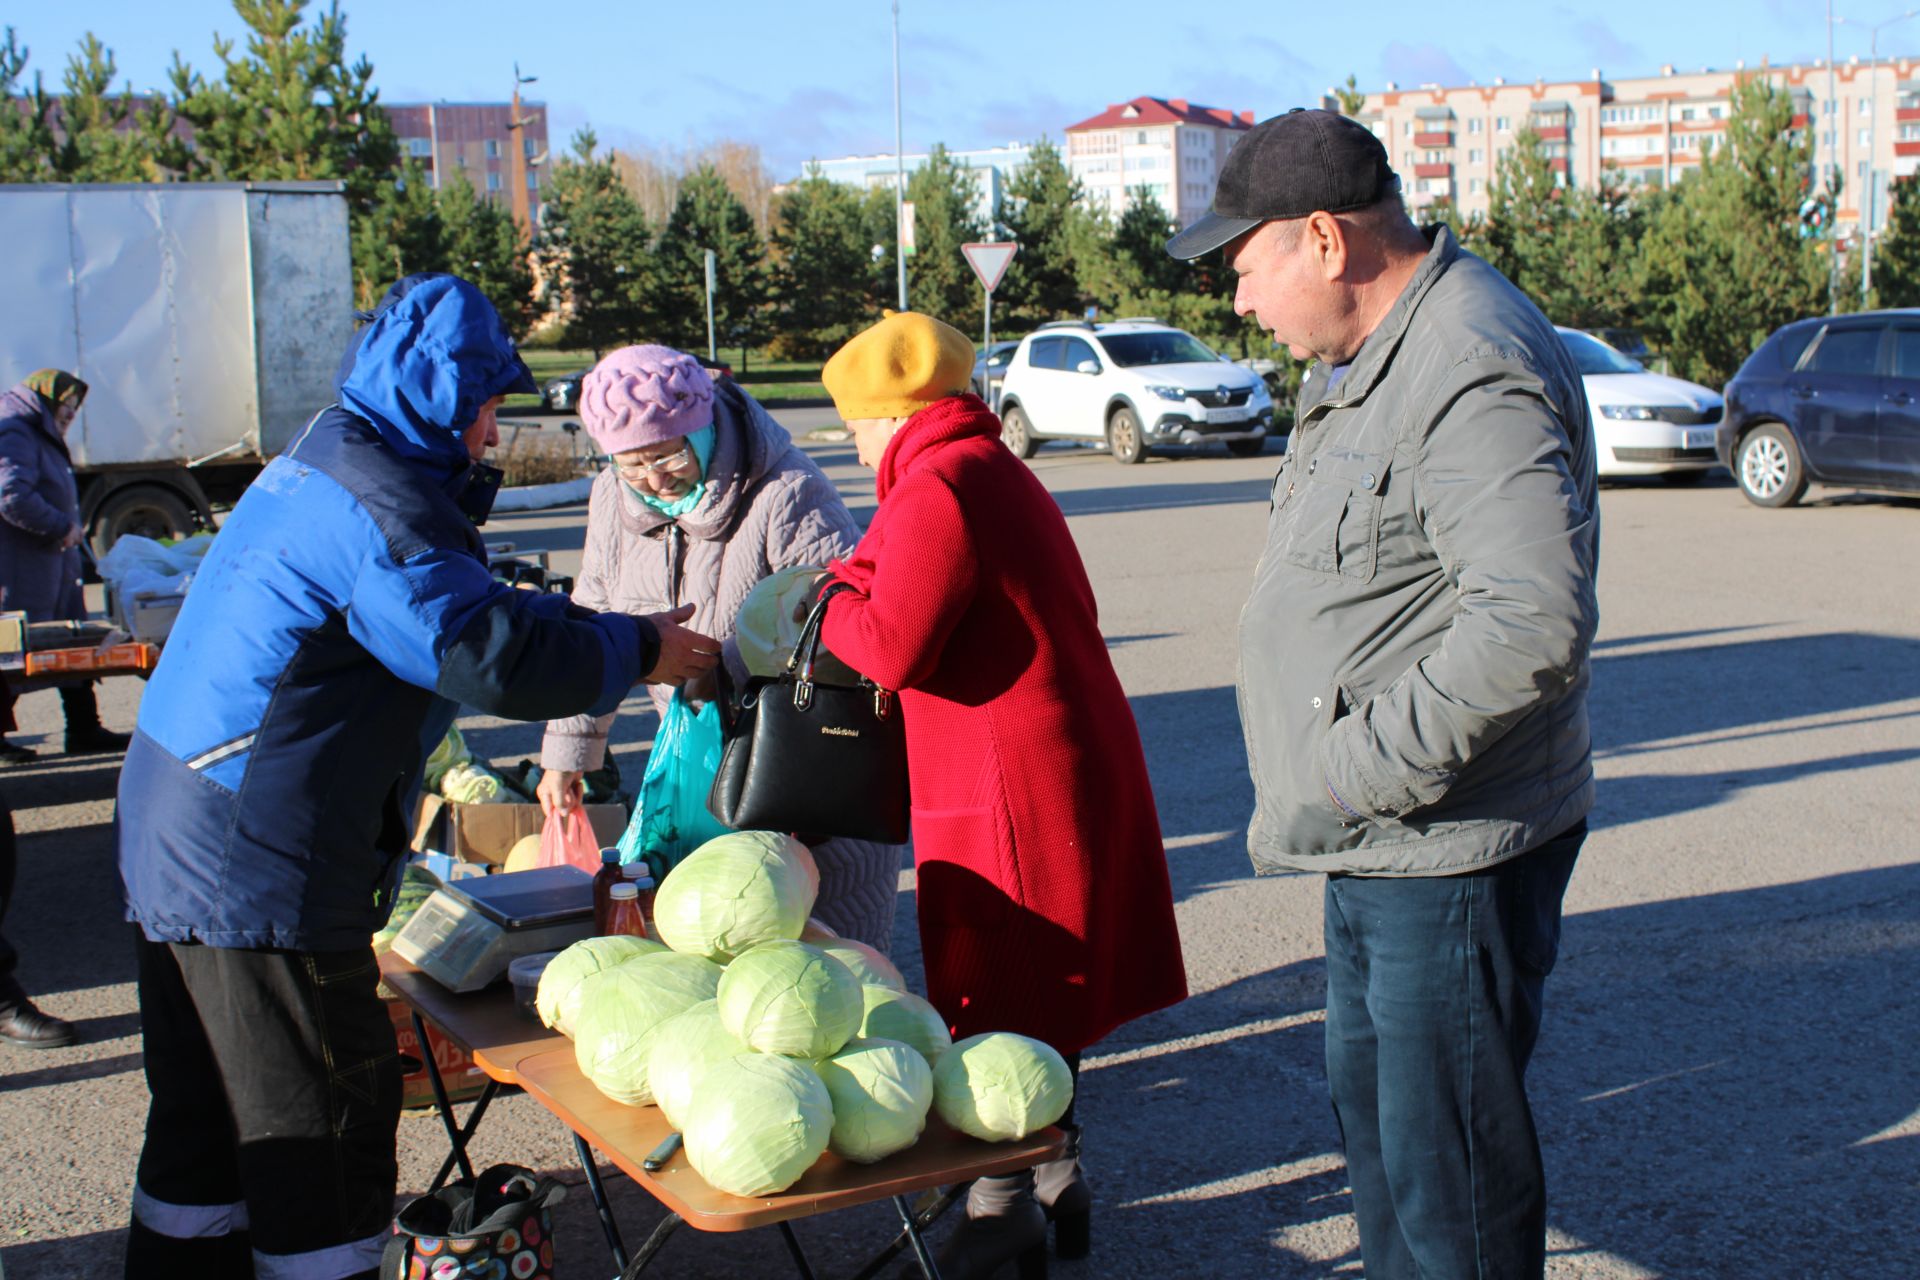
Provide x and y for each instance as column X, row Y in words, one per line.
column 524, row 973
column 604, row 879
column 623, row 911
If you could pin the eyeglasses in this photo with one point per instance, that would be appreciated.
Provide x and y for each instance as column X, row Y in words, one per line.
column 679, row 460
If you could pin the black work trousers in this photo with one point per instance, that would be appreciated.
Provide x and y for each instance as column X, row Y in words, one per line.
column 10, row 993
column 276, row 1096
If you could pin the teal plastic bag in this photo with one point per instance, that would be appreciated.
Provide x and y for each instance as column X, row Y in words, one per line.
column 671, row 819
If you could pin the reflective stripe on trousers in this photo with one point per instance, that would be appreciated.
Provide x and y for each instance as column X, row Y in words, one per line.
column 188, row 1221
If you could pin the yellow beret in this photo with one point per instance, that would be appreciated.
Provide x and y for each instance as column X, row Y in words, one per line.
column 897, row 367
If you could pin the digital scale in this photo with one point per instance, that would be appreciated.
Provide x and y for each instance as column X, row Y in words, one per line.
column 468, row 931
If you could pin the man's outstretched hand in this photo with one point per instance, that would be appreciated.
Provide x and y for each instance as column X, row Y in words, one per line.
column 684, row 654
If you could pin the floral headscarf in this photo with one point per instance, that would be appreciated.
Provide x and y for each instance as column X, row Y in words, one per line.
column 55, row 387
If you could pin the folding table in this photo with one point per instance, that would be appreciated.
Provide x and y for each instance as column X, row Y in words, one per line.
column 628, row 1134
column 488, row 1024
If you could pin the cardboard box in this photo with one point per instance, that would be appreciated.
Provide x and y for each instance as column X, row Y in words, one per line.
column 488, row 832
column 462, row 1078
column 13, row 640
column 150, row 615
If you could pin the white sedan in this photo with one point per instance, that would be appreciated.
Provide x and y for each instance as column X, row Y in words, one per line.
column 1644, row 423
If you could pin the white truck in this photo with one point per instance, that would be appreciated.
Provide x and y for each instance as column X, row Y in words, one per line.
column 208, row 320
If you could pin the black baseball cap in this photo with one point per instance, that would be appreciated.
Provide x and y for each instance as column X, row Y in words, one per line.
column 1288, row 167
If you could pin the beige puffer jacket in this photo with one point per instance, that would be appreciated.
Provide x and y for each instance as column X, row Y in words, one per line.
column 767, row 508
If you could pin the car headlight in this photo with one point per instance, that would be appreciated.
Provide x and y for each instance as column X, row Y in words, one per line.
column 1629, row 412
column 1175, row 394
column 1260, row 394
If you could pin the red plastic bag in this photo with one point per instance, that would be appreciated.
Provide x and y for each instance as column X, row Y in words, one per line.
column 567, row 840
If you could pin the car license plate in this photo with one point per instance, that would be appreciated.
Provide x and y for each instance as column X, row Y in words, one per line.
column 1230, row 414
column 1702, row 439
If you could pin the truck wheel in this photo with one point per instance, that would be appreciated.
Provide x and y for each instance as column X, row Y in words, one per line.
column 147, row 510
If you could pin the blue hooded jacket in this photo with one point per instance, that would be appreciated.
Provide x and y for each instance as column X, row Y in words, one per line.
column 343, row 615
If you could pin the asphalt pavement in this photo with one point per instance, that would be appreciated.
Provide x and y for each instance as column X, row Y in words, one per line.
column 1726, row 1084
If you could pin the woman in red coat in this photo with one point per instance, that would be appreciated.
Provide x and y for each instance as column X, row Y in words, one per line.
column 1042, row 890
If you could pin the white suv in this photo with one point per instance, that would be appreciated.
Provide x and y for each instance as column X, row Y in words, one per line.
column 1133, row 383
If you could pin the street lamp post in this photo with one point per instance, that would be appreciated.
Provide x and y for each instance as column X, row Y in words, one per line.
column 900, row 167
column 1873, row 141
column 1832, row 112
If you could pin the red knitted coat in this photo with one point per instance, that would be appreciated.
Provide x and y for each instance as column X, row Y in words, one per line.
column 1043, row 894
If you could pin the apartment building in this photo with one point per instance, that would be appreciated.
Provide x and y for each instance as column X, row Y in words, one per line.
column 1170, row 146
column 1446, row 142
column 992, row 167
column 475, row 137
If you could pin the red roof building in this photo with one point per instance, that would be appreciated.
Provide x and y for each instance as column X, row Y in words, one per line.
column 1171, row 147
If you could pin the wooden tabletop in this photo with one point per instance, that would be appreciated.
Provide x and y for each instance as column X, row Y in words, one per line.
column 627, row 1134
column 487, row 1023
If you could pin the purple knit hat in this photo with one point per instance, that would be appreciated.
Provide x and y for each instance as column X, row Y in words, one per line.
column 639, row 396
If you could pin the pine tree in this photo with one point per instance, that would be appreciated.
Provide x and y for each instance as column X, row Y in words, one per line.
column 708, row 216
column 1042, row 206
column 397, row 234
column 820, row 266
column 1724, row 261
column 26, row 136
column 481, row 242
column 1896, row 256
column 878, row 229
column 1352, row 100
column 290, row 107
column 1140, row 246
column 946, row 215
column 595, row 253
column 108, row 137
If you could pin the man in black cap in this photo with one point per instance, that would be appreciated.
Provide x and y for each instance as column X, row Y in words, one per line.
column 1414, row 661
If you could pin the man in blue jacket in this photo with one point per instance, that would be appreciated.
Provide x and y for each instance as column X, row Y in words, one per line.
column 343, row 616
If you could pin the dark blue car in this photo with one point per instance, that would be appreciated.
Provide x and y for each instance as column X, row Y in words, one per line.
column 1834, row 400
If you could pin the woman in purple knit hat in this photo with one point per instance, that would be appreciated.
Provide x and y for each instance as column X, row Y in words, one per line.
column 707, row 496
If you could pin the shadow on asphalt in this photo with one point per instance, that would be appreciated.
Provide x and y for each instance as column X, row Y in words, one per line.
column 1159, row 497
column 1718, row 688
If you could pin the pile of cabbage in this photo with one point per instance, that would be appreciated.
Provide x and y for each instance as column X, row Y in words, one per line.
column 767, row 1041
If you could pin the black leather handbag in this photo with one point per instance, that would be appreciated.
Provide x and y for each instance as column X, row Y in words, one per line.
column 812, row 758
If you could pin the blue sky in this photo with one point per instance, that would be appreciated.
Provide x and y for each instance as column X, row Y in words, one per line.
column 807, row 79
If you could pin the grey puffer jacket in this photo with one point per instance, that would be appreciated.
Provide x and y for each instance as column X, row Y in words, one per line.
column 767, row 508
column 1416, row 642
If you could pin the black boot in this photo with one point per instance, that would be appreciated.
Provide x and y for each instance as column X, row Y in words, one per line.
column 84, row 732
column 25, row 1027
column 1061, row 1188
column 12, row 753
column 1004, row 1224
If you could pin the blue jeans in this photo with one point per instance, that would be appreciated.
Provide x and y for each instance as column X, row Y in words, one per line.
column 1434, row 988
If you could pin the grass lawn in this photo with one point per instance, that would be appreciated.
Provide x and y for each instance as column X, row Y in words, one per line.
column 778, row 380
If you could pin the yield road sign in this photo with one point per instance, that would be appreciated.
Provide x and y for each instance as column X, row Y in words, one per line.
column 989, row 260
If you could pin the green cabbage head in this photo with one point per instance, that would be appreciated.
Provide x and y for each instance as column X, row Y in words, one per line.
column 684, row 1048
column 756, row 1123
column 790, row 998
column 903, row 1016
column 622, row 1007
column 734, row 892
column 867, row 963
column 558, row 998
column 1001, row 1086
column 881, row 1092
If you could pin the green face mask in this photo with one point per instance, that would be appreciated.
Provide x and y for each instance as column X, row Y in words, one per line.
column 701, row 442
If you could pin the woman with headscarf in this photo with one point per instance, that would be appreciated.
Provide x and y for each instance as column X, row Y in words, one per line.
column 1044, row 901
column 40, row 537
column 707, row 496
